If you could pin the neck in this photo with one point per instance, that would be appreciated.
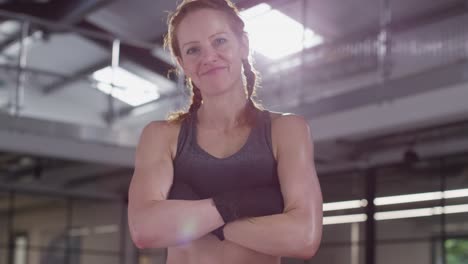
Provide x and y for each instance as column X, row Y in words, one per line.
column 223, row 115
column 225, row 110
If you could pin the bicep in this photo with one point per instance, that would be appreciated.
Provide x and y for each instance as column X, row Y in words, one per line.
column 296, row 169
column 153, row 172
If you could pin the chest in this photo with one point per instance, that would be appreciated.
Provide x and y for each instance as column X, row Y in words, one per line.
column 213, row 162
column 222, row 144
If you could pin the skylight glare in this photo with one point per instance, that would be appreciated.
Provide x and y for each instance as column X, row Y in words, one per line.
column 129, row 88
column 274, row 34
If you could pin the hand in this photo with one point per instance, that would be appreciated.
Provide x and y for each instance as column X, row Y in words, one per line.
column 183, row 191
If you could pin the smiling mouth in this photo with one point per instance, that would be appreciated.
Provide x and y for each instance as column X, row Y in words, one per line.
column 214, row 70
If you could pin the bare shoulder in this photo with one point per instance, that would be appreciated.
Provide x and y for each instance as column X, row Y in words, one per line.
column 162, row 132
column 288, row 129
column 287, row 121
column 164, row 126
column 161, row 128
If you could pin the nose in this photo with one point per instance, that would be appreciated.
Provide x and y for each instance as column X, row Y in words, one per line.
column 209, row 56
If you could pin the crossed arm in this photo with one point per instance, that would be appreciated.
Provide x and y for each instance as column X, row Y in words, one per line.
column 297, row 231
column 294, row 233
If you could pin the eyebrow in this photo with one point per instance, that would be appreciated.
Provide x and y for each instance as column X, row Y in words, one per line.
column 191, row 42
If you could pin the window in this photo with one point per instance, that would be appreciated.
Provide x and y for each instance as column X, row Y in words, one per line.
column 276, row 35
column 456, row 251
column 20, row 253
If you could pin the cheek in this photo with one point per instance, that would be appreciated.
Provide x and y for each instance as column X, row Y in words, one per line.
column 190, row 67
column 228, row 53
column 233, row 56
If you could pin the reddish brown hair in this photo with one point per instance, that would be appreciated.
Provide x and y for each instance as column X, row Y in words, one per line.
column 237, row 26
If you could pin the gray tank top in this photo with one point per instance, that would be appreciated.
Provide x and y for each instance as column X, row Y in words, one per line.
column 253, row 165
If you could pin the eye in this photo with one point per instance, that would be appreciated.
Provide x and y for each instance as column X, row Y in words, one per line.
column 192, row 50
column 220, row 41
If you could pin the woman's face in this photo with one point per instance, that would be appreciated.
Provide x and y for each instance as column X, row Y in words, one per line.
column 211, row 54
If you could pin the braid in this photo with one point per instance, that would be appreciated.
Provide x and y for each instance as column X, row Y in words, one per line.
column 194, row 105
column 251, row 79
column 196, row 98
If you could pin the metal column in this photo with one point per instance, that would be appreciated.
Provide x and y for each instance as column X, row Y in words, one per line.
column 10, row 223
column 443, row 235
column 68, row 228
column 114, row 65
column 370, row 211
column 17, row 97
column 123, row 229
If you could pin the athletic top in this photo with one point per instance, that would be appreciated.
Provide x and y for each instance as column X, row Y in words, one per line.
column 253, row 165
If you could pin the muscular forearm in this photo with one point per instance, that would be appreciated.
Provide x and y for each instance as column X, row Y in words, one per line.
column 285, row 235
column 172, row 222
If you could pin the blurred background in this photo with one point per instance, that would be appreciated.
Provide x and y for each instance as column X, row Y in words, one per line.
column 382, row 82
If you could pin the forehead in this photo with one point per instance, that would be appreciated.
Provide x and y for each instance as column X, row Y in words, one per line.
column 201, row 24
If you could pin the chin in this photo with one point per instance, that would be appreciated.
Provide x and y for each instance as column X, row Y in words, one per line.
column 217, row 88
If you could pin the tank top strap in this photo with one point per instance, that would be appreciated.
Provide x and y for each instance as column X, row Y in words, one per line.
column 266, row 128
column 185, row 136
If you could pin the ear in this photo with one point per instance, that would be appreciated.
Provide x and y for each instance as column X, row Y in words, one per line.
column 245, row 46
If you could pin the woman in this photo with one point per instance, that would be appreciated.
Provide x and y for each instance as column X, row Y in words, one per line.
column 227, row 181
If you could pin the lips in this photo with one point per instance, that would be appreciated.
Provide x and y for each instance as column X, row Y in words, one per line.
column 213, row 70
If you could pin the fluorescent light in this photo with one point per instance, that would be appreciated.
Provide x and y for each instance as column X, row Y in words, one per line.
column 398, row 199
column 399, row 214
column 403, row 214
column 407, row 198
column 84, row 231
column 105, row 229
column 418, row 197
column 421, row 212
column 454, row 209
column 275, row 34
column 456, row 193
column 344, row 205
column 129, row 88
column 343, row 219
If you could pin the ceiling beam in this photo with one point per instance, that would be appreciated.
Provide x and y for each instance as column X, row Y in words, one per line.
column 134, row 54
column 127, row 111
column 68, row 12
column 64, row 12
column 435, row 79
column 142, row 57
column 67, row 141
column 81, row 75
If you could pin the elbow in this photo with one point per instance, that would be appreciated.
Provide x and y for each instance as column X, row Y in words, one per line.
column 140, row 234
column 146, row 235
column 138, row 241
column 308, row 251
column 141, row 239
column 309, row 244
column 136, row 235
column 144, row 244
